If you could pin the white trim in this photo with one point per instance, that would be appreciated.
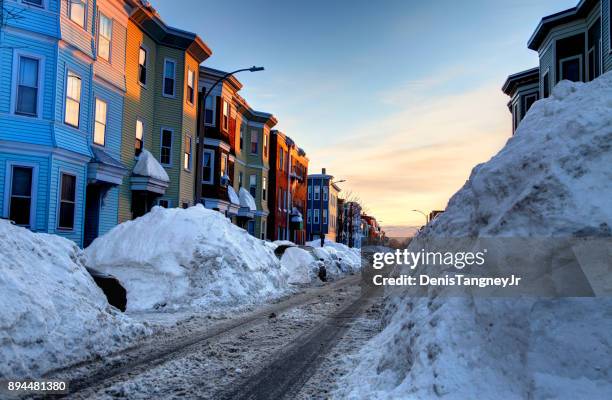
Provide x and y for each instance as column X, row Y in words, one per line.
column 30, row 149
column 161, row 137
column 546, row 72
column 190, row 138
column 97, row 97
column 173, row 95
column 147, row 57
column 216, row 143
column 110, row 41
column 8, row 182
column 67, row 72
column 195, row 92
column 144, row 128
column 212, row 167
column 85, row 14
column 580, row 59
column 214, row 109
column 17, row 54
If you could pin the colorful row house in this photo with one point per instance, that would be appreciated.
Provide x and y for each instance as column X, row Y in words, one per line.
column 574, row 44
column 235, row 159
column 287, row 199
column 87, row 86
column 322, row 206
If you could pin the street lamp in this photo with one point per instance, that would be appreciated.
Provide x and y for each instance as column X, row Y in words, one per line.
column 200, row 143
column 425, row 215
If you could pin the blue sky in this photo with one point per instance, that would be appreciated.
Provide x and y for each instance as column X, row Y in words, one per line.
column 401, row 98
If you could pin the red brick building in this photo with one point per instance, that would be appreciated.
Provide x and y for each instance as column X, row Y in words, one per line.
column 287, row 199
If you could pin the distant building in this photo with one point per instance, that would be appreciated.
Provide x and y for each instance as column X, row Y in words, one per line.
column 352, row 226
column 524, row 90
column 322, row 206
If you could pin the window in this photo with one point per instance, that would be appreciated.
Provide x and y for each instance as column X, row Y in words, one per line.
column 316, row 216
column 21, row 195
column 73, row 100
column 325, row 193
column 317, row 192
column 67, row 202
column 528, row 101
column 223, row 169
column 571, row 68
column 240, row 179
column 309, row 192
column 254, row 142
column 325, row 216
column 100, row 123
column 187, row 154
column 169, row 77
column 185, row 205
column 594, row 50
column 308, row 216
column 165, row 156
column 280, row 197
column 242, row 128
column 105, row 36
column 38, row 3
column 76, row 11
column 190, row 86
column 163, row 203
column 546, row 85
column 142, row 66
column 208, row 164
column 281, row 159
column 253, row 185
column 263, row 230
column 138, row 142
column 27, row 86
column 265, row 146
column 225, row 115
column 209, row 111
column 263, row 188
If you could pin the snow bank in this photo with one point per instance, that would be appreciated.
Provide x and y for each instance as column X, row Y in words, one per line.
column 147, row 165
column 338, row 258
column 301, row 266
column 53, row 314
column 176, row 258
column 552, row 179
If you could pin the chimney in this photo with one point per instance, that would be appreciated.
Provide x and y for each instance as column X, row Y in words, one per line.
column 323, row 171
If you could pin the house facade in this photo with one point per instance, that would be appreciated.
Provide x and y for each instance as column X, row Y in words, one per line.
column 322, row 197
column 160, row 114
column 352, row 225
column 61, row 115
column 288, row 187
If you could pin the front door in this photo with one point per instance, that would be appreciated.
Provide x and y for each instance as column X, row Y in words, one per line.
column 92, row 214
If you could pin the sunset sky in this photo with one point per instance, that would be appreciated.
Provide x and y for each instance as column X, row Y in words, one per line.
column 400, row 98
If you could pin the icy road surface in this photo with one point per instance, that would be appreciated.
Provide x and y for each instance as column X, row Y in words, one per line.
column 276, row 351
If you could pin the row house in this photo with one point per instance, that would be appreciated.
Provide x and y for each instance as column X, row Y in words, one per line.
column 351, row 224
column 287, row 199
column 573, row 44
column 159, row 114
column 235, row 153
column 321, row 214
column 83, row 81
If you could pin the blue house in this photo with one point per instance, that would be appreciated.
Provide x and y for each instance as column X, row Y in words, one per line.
column 322, row 206
column 61, row 108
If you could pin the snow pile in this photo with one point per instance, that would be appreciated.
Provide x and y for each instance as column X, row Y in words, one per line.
column 338, row 258
column 147, row 165
column 552, row 179
column 53, row 314
column 301, row 266
column 176, row 258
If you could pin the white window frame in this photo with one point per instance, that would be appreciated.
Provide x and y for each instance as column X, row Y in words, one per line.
column 169, row 201
column 110, row 39
column 545, row 77
column 85, row 7
column 309, row 192
column 224, row 164
column 251, row 184
column 95, row 120
column 189, row 139
column 17, row 54
column 324, row 216
column 325, row 193
column 212, row 166
column 308, row 216
column 62, row 172
column 8, row 182
column 191, row 100
column 173, row 95
column 317, row 192
column 580, row 64
column 68, row 72
column 263, row 229
column 161, row 137
column 225, row 123
column 315, row 216
column 264, row 188
column 265, row 144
